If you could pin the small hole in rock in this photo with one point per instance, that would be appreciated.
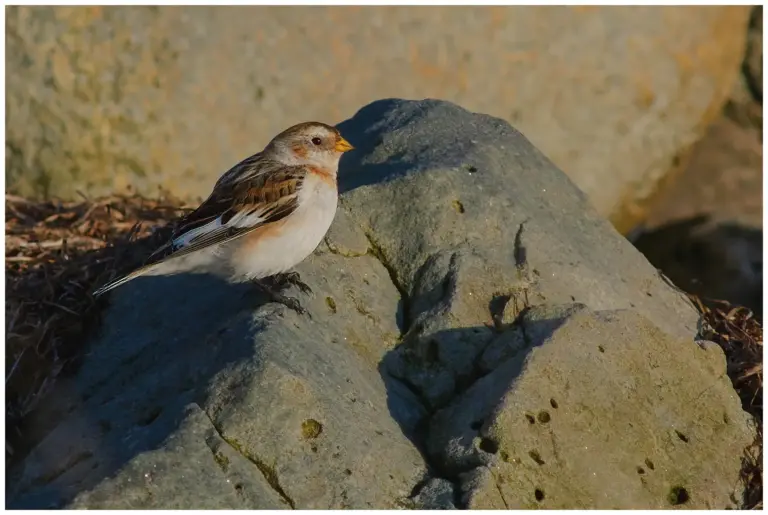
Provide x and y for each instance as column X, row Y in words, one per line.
column 535, row 456
column 553, row 403
column 544, row 417
column 472, row 169
column 681, row 436
column 640, row 470
column 504, row 456
column 477, row 424
column 649, row 464
column 539, row 494
column 489, row 446
column 497, row 306
column 678, row 495
column 601, row 348
column 458, row 206
column 331, row 304
column 531, row 418
column 348, row 472
column 726, row 418
column 311, row 429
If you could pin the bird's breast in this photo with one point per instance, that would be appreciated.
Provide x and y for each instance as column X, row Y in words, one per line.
column 279, row 246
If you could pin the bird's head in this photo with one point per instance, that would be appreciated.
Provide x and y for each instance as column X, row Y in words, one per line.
column 309, row 143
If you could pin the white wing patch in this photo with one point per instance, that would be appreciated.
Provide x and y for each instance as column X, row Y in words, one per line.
column 243, row 220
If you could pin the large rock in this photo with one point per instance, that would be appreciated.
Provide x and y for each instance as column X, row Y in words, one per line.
column 649, row 433
column 202, row 400
column 102, row 98
column 465, row 288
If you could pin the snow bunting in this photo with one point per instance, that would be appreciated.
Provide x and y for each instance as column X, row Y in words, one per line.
column 263, row 217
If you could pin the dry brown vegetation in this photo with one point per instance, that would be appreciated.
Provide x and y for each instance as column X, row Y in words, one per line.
column 740, row 335
column 56, row 253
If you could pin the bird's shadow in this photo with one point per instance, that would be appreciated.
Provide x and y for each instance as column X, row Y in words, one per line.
column 161, row 343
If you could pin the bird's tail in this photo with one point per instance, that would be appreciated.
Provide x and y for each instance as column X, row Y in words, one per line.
column 155, row 258
column 119, row 282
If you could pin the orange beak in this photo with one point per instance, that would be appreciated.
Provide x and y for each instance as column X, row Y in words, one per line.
column 343, row 145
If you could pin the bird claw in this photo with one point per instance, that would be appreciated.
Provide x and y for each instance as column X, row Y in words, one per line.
column 275, row 296
column 292, row 303
column 293, row 278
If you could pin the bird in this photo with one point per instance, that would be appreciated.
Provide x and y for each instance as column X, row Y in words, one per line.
column 263, row 216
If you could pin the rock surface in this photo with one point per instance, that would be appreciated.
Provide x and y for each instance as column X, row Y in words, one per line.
column 103, row 98
column 465, row 283
column 648, row 434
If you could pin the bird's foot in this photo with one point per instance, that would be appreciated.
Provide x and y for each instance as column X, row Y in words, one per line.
column 292, row 278
column 275, row 296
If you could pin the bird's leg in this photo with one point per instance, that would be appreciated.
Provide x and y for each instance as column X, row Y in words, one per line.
column 276, row 296
column 293, row 278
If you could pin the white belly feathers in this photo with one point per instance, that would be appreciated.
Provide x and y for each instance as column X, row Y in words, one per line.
column 284, row 244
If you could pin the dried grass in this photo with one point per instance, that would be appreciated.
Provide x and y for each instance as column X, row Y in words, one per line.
column 55, row 254
column 740, row 335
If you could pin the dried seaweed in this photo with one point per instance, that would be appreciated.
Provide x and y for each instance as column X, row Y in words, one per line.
column 55, row 254
column 740, row 335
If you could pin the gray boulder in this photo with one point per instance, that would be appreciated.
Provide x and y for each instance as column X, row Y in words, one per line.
column 603, row 412
column 465, row 288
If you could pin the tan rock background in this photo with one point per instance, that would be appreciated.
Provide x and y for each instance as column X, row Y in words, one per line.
column 100, row 99
column 704, row 229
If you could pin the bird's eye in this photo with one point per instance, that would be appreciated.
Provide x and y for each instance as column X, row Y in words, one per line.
column 316, row 141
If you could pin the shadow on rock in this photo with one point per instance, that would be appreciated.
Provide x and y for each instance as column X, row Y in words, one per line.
column 135, row 385
column 361, row 131
column 461, row 377
column 721, row 261
column 370, row 131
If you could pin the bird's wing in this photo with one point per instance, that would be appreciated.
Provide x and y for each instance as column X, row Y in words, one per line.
column 254, row 193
